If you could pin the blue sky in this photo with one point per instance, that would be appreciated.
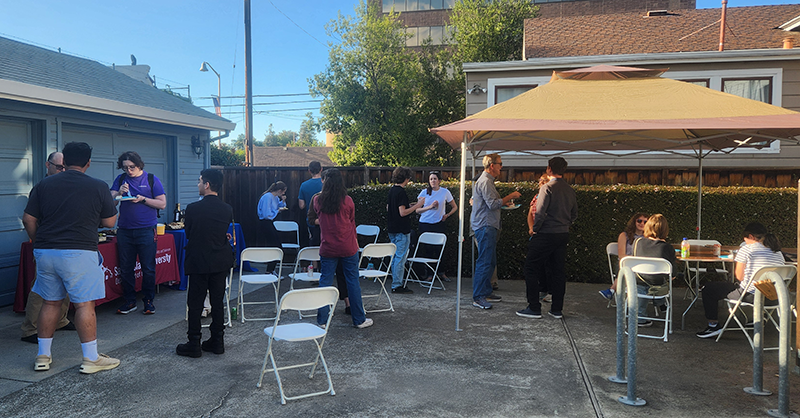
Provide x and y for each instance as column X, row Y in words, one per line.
column 175, row 37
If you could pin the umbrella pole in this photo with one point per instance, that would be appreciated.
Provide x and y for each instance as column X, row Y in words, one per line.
column 700, row 191
column 461, row 195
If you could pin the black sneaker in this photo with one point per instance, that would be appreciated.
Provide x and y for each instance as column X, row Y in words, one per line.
column 126, row 308
column 402, row 290
column 481, row 303
column 494, row 298
column 529, row 313
column 555, row 314
column 710, row 331
column 149, row 309
column 645, row 324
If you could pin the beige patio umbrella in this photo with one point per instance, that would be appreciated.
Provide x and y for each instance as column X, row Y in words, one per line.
column 608, row 108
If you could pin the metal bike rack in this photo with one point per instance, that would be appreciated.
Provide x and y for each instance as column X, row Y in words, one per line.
column 626, row 289
column 784, row 354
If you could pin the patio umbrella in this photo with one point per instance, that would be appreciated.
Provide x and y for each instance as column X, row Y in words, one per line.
column 618, row 111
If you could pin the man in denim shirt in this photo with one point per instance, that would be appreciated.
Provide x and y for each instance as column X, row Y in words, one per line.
column 485, row 221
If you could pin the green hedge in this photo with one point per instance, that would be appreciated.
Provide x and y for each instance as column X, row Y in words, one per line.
column 602, row 214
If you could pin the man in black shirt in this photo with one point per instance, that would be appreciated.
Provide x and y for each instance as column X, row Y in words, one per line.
column 209, row 257
column 61, row 218
column 399, row 225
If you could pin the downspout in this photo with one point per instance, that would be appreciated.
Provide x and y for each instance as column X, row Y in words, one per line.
column 722, row 26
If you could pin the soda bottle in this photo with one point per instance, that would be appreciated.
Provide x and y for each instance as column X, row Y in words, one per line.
column 310, row 270
column 685, row 248
column 233, row 313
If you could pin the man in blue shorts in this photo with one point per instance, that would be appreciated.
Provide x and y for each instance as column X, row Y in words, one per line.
column 61, row 219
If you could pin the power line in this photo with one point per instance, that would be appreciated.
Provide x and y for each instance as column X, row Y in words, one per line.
column 262, row 112
column 257, row 95
column 267, row 104
column 293, row 22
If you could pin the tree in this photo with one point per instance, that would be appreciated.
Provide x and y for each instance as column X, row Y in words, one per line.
column 227, row 155
column 372, row 96
column 490, row 30
column 238, row 143
column 308, row 131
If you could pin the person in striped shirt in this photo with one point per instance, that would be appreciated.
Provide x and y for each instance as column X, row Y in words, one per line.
column 760, row 249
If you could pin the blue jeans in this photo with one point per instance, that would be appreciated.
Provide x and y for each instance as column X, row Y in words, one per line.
column 486, row 261
column 350, row 269
column 130, row 243
column 402, row 242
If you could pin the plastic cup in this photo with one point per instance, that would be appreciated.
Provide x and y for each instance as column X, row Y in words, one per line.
column 161, row 229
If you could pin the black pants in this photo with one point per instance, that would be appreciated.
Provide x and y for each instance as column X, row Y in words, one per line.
column 272, row 238
column 544, row 268
column 199, row 284
column 714, row 292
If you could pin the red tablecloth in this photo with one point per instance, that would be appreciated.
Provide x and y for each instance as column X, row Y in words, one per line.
column 166, row 269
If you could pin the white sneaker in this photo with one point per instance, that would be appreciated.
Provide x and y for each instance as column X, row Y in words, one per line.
column 103, row 362
column 42, row 363
column 367, row 323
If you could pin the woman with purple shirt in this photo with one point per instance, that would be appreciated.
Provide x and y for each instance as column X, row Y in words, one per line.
column 141, row 196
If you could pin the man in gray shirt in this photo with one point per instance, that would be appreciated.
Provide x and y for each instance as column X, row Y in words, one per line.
column 485, row 221
column 556, row 210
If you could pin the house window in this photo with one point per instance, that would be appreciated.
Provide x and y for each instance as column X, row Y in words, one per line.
column 698, row 81
column 503, row 93
column 750, row 88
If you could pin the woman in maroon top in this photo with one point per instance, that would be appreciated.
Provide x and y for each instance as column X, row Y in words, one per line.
column 338, row 243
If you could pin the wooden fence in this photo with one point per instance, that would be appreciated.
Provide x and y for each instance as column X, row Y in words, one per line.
column 244, row 186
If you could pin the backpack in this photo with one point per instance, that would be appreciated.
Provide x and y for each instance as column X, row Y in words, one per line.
column 150, row 181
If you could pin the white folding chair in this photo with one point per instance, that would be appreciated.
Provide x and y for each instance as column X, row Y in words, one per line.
column 431, row 264
column 380, row 274
column 258, row 255
column 289, row 227
column 369, row 231
column 612, row 250
column 227, row 301
column 301, row 300
column 651, row 266
column 310, row 254
column 787, row 273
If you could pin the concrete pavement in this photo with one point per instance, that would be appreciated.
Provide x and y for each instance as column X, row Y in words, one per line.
column 410, row 363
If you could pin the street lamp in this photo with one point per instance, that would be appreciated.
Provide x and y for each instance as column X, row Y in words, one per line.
column 204, row 68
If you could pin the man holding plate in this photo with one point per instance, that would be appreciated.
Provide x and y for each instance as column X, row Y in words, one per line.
column 485, row 220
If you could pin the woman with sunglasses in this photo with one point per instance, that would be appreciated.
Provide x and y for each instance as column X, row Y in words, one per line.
column 633, row 230
column 433, row 216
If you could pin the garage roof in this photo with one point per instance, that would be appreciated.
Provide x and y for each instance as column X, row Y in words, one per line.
column 32, row 74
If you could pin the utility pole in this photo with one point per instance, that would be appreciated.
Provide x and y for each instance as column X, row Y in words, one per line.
column 248, row 86
column 722, row 26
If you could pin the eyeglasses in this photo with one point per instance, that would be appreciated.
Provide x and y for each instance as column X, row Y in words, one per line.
column 641, row 221
column 58, row 167
column 128, row 167
column 500, row 164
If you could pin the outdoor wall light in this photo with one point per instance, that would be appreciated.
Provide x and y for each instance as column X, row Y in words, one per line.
column 197, row 146
column 476, row 89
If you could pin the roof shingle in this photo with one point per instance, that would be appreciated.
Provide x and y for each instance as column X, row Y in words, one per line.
column 753, row 27
column 37, row 66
